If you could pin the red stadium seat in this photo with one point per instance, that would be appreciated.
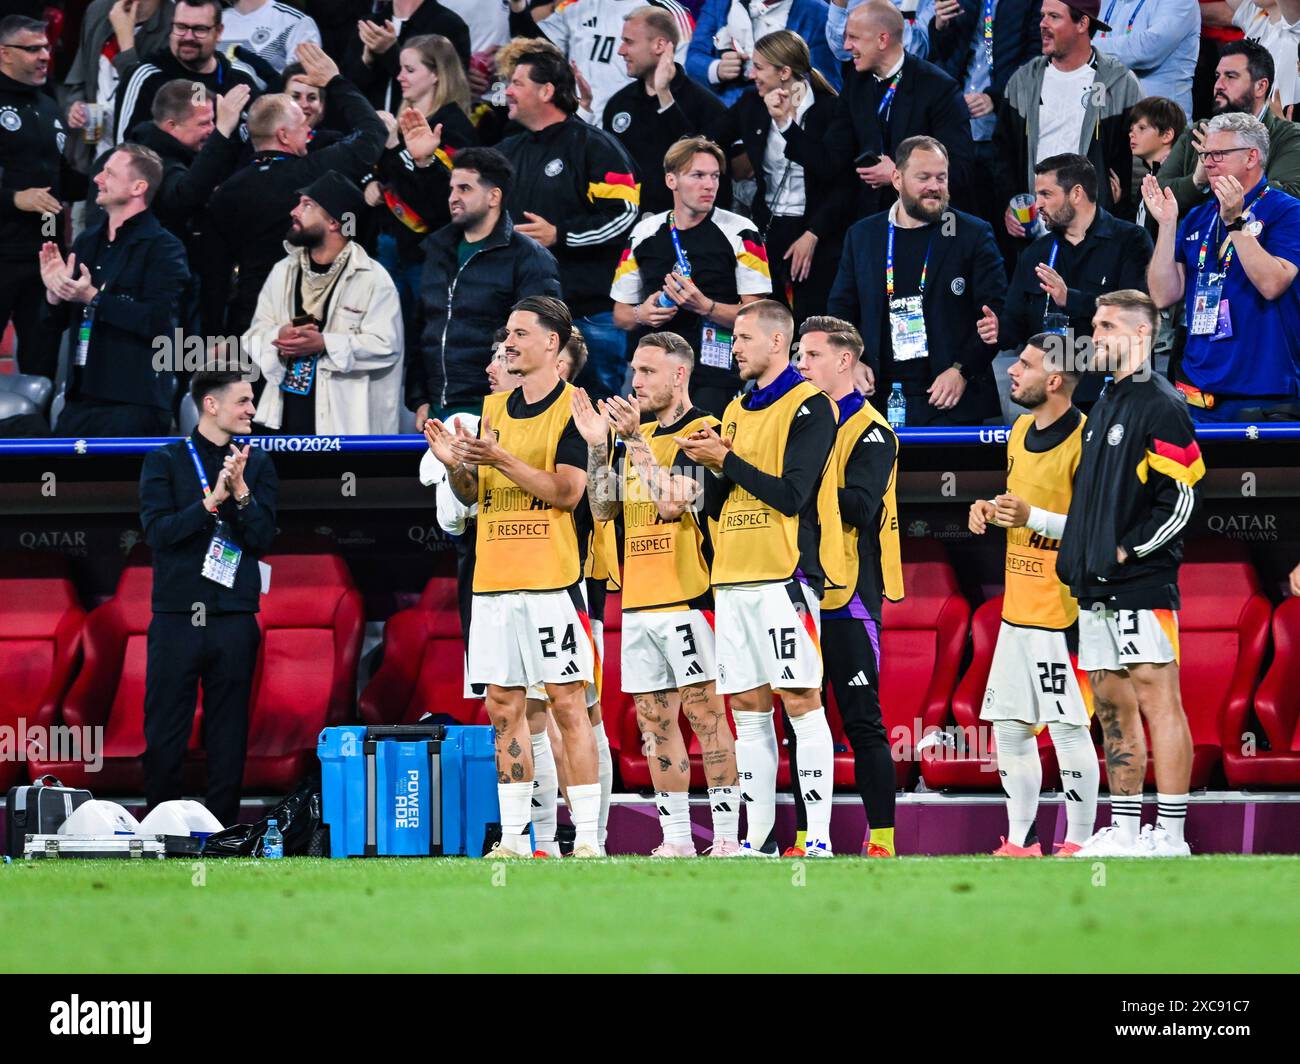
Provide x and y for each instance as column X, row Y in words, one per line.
column 40, row 646
column 978, row 770
column 921, row 646
column 423, row 668
column 306, row 680
column 613, row 702
column 109, row 691
column 1277, row 708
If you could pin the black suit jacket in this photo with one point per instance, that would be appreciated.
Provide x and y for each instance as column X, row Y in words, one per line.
column 965, row 274
column 828, row 191
column 928, row 102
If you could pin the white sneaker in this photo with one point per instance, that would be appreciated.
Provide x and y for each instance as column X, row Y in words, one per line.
column 817, row 848
column 1106, row 843
column 746, row 850
column 1155, row 841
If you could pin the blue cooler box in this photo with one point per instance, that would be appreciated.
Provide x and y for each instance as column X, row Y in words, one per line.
column 407, row 790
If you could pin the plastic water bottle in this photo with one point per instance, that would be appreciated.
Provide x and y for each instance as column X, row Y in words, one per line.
column 896, row 411
column 272, row 841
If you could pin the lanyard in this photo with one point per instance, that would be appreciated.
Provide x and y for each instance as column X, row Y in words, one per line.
column 987, row 20
column 1051, row 265
column 1132, row 15
column 888, row 99
column 198, row 468
column 889, row 265
column 1213, row 234
column 683, row 263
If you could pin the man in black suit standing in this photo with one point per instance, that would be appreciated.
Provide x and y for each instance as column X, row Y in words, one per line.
column 888, row 97
column 208, row 511
column 914, row 279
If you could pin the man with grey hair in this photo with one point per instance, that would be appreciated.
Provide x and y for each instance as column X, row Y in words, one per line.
column 1234, row 261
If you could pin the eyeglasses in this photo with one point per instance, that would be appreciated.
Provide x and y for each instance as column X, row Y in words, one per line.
column 191, row 31
column 30, row 49
column 1216, row 157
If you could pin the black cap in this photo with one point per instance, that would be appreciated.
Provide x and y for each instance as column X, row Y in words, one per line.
column 337, row 195
column 1091, row 8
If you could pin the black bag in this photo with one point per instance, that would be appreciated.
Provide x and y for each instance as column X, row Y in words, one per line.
column 38, row 809
column 298, row 817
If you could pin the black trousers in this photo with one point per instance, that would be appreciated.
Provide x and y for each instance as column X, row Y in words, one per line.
column 852, row 672
column 22, row 300
column 806, row 298
column 222, row 654
column 90, row 418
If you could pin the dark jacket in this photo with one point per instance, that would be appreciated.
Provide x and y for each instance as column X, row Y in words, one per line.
column 1015, row 41
column 646, row 135
column 376, row 81
column 1135, row 488
column 927, row 102
column 580, row 180
column 248, row 216
column 965, row 274
column 807, row 18
column 31, row 156
column 829, row 192
column 139, row 302
column 136, row 90
column 1113, row 254
column 462, row 306
column 178, row 528
column 1283, row 162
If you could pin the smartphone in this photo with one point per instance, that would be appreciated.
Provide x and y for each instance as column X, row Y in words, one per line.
column 867, row 158
column 300, row 320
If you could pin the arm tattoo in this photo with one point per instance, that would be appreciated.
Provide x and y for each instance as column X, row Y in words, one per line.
column 464, row 483
column 600, row 483
column 659, row 482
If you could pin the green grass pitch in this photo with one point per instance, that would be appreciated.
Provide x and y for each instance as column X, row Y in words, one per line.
column 1206, row 914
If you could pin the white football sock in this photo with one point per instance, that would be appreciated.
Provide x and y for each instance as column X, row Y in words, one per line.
column 1171, row 814
column 816, row 780
column 584, row 808
column 605, row 777
column 546, row 791
column 1022, row 775
column 756, row 761
column 1126, row 817
column 724, row 803
column 1080, row 777
column 516, row 801
column 674, row 815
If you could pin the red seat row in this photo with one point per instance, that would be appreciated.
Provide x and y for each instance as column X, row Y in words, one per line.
column 60, row 665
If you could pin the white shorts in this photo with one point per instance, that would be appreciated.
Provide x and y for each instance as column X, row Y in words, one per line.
column 520, row 638
column 1115, row 639
column 667, row 651
column 768, row 634
column 538, row 691
column 1033, row 679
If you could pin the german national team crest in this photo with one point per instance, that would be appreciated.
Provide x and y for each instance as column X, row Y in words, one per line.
column 1115, row 434
column 730, row 430
column 10, row 119
column 554, row 168
column 958, row 285
column 621, row 121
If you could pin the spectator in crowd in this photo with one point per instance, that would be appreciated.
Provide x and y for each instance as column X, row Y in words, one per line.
column 203, row 497
column 573, row 357
column 311, row 100
column 725, row 31
column 414, row 201
column 327, row 332
column 489, row 29
column 982, row 56
column 1071, row 99
column 1244, row 85
column 1155, row 123
column 652, row 290
column 916, row 35
column 889, row 97
column 1276, row 25
column 914, row 280
column 1085, row 253
column 249, row 213
column 119, row 290
column 191, row 53
column 1216, row 31
column 269, row 29
column 372, row 58
column 661, row 105
column 575, row 194
column 588, row 35
column 1159, row 42
column 34, row 180
column 114, row 35
column 473, row 268
column 1233, row 262
column 802, row 202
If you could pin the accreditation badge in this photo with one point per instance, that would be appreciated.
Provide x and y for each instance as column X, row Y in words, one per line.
column 715, row 346
column 221, row 561
column 907, row 329
column 1205, row 304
